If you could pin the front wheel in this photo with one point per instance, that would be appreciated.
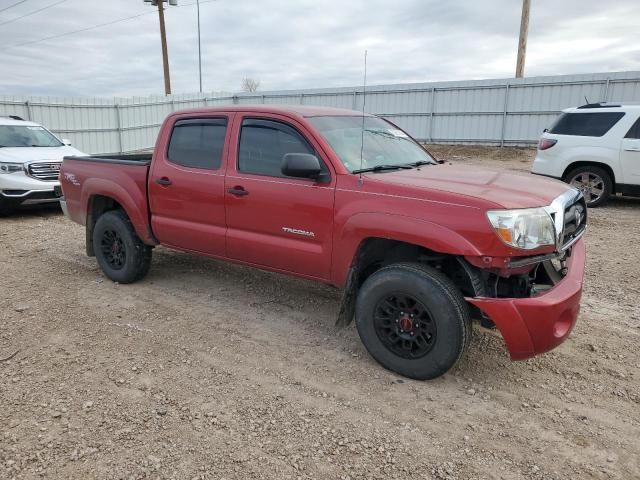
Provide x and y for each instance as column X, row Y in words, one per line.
column 413, row 320
column 5, row 210
column 120, row 253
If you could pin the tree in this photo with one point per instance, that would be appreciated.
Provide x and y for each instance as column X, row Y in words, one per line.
column 250, row 85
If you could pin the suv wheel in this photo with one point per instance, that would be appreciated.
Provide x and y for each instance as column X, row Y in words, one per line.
column 594, row 183
column 120, row 253
column 413, row 320
column 4, row 208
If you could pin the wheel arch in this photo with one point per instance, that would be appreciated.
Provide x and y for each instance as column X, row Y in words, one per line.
column 590, row 163
column 100, row 203
column 375, row 253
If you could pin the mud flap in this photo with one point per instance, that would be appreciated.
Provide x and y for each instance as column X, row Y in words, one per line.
column 348, row 305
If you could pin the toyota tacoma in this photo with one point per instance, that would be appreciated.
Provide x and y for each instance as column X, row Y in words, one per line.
column 419, row 247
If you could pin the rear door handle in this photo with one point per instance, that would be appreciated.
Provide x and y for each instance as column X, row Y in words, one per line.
column 164, row 181
column 238, row 191
column 632, row 149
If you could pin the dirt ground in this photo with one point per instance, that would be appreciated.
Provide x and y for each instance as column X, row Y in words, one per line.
column 214, row 371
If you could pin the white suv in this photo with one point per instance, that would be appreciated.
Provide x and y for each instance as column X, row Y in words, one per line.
column 30, row 159
column 596, row 148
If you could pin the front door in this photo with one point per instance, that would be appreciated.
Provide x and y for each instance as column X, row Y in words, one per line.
column 186, row 186
column 630, row 156
column 276, row 221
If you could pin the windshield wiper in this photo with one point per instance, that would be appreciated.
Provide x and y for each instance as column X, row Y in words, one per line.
column 419, row 163
column 380, row 168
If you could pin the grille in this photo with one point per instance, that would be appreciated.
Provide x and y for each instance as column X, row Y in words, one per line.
column 575, row 221
column 46, row 171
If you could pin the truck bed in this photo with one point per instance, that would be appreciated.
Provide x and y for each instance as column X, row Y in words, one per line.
column 123, row 159
column 85, row 180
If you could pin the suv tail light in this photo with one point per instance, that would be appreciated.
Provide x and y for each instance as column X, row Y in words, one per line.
column 546, row 143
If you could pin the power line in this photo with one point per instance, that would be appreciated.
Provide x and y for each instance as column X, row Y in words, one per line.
column 52, row 37
column 32, row 12
column 81, row 30
column 11, row 6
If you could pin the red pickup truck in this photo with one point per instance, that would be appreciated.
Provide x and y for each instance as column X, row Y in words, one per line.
column 418, row 246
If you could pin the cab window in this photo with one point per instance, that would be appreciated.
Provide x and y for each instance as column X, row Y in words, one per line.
column 198, row 143
column 263, row 144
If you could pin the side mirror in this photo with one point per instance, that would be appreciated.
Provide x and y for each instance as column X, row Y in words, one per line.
column 66, row 142
column 545, row 130
column 302, row 165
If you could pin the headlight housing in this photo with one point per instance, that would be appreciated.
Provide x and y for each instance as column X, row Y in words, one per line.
column 10, row 167
column 526, row 228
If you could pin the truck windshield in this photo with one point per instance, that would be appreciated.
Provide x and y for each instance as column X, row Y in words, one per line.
column 27, row 136
column 383, row 145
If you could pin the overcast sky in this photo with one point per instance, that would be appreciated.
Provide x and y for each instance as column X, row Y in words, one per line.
column 289, row 44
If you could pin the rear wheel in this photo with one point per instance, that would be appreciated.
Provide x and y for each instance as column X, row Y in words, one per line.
column 413, row 320
column 594, row 183
column 120, row 253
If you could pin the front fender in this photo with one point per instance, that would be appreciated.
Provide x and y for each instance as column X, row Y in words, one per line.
column 389, row 226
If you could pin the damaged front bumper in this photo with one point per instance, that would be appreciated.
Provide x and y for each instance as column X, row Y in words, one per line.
column 539, row 323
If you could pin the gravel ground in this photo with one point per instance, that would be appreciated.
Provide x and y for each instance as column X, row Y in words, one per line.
column 210, row 370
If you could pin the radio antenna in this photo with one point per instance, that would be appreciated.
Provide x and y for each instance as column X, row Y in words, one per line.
column 364, row 102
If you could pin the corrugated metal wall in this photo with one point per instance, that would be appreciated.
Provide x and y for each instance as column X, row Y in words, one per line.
column 498, row 112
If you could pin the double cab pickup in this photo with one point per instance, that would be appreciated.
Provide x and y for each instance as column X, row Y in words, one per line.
column 419, row 247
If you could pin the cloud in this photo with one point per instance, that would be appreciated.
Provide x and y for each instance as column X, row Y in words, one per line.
column 305, row 44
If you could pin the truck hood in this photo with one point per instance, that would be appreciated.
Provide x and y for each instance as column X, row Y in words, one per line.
column 503, row 188
column 36, row 154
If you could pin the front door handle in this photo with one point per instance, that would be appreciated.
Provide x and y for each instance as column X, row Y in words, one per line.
column 632, row 149
column 164, row 181
column 238, row 191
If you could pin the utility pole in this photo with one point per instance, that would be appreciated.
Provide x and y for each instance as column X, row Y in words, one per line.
column 522, row 42
column 165, row 53
column 163, row 40
column 199, row 47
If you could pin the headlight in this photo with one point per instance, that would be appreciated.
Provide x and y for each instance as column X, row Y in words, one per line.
column 10, row 167
column 526, row 228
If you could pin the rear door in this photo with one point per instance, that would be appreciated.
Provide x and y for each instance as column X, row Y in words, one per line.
column 276, row 221
column 630, row 155
column 186, row 185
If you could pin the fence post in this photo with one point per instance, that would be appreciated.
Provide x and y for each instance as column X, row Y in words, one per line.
column 28, row 107
column 235, row 99
column 119, row 128
column 606, row 90
column 355, row 100
column 431, row 112
column 301, row 98
column 504, row 114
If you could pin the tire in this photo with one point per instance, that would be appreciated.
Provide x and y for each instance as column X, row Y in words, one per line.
column 120, row 253
column 594, row 183
column 441, row 323
column 5, row 210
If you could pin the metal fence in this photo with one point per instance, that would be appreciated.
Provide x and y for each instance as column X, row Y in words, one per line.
column 495, row 112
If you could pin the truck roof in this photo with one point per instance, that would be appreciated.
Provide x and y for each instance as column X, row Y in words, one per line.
column 296, row 110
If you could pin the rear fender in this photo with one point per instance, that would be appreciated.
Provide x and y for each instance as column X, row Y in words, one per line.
column 129, row 199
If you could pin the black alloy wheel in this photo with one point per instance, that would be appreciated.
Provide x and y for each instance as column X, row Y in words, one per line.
column 404, row 326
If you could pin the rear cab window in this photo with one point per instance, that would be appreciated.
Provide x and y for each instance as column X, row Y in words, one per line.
column 197, row 143
column 588, row 124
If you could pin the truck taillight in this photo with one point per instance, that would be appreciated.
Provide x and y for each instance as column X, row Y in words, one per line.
column 546, row 143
